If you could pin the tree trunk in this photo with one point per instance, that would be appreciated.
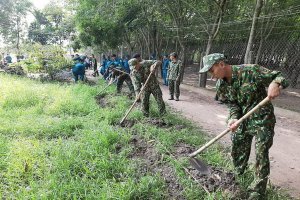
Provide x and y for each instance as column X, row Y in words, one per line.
column 18, row 36
column 211, row 36
column 203, row 76
column 259, row 4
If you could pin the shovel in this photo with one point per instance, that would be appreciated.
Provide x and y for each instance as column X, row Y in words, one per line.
column 200, row 165
column 137, row 98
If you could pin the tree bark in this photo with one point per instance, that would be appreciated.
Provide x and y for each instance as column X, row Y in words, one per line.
column 259, row 5
column 211, row 36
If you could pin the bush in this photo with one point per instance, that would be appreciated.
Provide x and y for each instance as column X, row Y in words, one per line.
column 46, row 58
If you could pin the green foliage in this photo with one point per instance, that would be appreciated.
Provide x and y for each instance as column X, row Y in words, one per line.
column 12, row 19
column 52, row 25
column 46, row 58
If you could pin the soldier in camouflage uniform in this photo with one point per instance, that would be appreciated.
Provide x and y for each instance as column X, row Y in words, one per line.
column 121, row 74
column 139, row 73
column 243, row 87
column 175, row 72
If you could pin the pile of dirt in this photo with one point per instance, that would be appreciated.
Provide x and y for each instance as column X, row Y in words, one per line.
column 64, row 76
column 150, row 161
column 218, row 179
column 18, row 70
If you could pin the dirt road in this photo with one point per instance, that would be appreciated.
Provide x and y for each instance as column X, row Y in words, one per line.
column 199, row 106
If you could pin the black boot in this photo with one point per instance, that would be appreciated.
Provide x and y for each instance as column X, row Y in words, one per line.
column 177, row 99
column 171, row 97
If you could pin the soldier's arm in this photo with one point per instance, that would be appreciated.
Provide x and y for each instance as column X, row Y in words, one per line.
column 267, row 76
column 146, row 64
column 274, row 80
column 168, row 70
column 154, row 65
column 235, row 111
column 180, row 72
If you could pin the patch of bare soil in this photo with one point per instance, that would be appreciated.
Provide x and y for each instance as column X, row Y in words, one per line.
column 162, row 124
column 159, row 123
column 101, row 101
column 152, row 162
column 218, row 179
column 182, row 150
column 90, row 82
column 128, row 123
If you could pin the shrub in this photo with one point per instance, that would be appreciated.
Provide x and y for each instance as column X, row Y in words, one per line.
column 46, row 58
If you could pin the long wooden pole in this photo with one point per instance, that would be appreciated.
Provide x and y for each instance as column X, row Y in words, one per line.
column 137, row 98
column 262, row 103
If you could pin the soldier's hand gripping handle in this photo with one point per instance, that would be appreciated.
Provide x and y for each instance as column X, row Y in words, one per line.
column 274, row 90
column 152, row 68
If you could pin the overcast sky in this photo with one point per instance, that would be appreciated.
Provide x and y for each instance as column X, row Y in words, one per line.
column 40, row 4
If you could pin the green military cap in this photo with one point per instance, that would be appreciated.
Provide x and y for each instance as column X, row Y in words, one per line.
column 133, row 62
column 210, row 60
column 173, row 54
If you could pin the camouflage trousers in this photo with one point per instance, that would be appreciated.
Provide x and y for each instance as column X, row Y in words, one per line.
column 156, row 92
column 127, row 79
column 241, row 148
column 174, row 88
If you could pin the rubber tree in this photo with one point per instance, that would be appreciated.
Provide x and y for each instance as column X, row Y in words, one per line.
column 179, row 17
column 212, row 31
column 15, row 21
column 5, row 9
column 248, row 55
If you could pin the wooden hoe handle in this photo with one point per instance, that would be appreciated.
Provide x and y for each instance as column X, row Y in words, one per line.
column 137, row 98
column 262, row 103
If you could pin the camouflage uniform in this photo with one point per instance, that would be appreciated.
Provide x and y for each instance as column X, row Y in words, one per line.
column 139, row 77
column 121, row 78
column 246, row 90
column 175, row 77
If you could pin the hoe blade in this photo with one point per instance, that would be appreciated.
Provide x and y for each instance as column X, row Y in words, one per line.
column 200, row 166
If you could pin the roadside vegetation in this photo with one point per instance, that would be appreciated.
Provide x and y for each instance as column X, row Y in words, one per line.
column 61, row 141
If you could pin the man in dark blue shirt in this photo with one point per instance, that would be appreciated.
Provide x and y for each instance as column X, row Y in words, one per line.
column 79, row 70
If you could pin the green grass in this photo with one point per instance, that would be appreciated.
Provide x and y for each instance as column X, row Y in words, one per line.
column 57, row 143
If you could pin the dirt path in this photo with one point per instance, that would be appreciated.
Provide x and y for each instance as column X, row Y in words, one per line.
column 199, row 106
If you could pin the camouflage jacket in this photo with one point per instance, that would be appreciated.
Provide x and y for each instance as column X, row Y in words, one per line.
column 246, row 90
column 175, row 70
column 139, row 77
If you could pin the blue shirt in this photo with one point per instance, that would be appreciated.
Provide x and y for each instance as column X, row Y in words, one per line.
column 126, row 65
column 79, row 68
column 165, row 64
